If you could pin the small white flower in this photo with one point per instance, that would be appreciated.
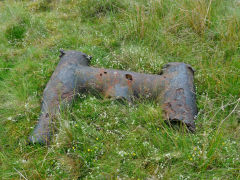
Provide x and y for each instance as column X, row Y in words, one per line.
column 168, row 155
column 9, row 118
column 122, row 153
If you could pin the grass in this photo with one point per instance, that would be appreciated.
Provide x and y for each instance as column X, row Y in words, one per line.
column 104, row 139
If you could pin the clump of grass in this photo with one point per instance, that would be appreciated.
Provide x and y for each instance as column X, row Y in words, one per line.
column 16, row 31
column 197, row 14
column 41, row 5
column 97, row 8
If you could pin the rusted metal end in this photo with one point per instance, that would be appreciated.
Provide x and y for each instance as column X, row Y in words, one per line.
column 174, row 88
column 179, row 100
column 60, row 91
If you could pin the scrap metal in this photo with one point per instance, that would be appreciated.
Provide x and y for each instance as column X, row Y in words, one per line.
column 173, row 88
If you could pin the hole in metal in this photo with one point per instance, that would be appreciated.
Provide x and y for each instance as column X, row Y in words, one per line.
column 160, row 73
column 129, row 77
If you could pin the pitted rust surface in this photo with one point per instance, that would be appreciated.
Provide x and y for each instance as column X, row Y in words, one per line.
column 174, row 88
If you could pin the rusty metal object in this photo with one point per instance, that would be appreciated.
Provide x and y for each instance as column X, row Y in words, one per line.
column 174, row 89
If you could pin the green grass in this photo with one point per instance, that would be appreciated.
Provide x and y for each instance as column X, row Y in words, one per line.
column 103, row 139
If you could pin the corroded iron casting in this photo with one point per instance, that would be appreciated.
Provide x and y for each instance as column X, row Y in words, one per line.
column 174, row 89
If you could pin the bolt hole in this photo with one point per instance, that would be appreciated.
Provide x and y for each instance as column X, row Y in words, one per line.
column 105, row 72
column 129, row 77
column 100, row 74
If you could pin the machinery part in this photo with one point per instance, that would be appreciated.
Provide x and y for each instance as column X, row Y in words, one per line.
column 174, row 89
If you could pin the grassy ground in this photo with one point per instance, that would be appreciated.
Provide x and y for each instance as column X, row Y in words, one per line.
column 104, row 139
